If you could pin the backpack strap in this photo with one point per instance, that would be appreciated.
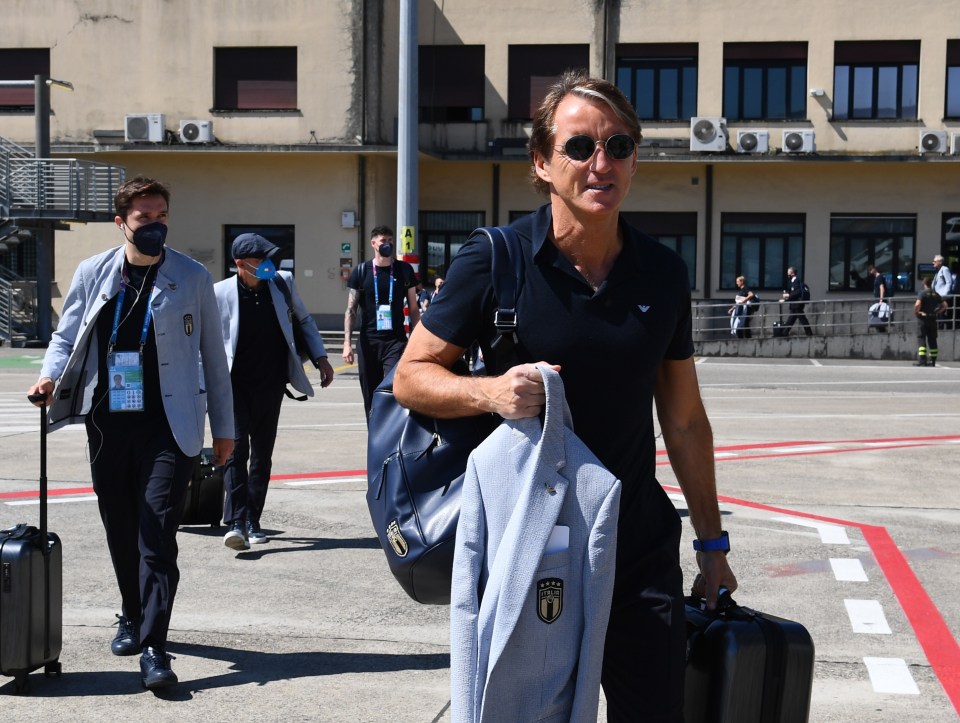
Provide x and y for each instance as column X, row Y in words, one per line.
column 507, row 271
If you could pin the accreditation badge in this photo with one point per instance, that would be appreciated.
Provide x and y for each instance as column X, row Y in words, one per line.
column 384, row 318
column 125, row 374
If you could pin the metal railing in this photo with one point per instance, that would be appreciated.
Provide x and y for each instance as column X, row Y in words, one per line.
column 57, row 187
column 841, row 317
column 18, row 306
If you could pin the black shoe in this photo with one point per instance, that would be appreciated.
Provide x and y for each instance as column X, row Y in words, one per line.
column 155, row 669
column 127, row 639
column 920, row 364
column 236, row 537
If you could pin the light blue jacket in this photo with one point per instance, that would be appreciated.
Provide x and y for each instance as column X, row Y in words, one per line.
column 527, row 629
column 194, row 378
column 228, row 299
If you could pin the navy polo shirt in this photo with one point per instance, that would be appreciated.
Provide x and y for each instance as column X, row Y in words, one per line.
column 609, row 344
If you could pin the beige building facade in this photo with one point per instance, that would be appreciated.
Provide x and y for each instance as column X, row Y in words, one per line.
column 810, row 133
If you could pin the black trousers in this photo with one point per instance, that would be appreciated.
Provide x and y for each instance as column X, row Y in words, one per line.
column 376, row 356
column 256, row 412
column 644, row 656
column 794, row 317
column 927, row 336
column 140, row 477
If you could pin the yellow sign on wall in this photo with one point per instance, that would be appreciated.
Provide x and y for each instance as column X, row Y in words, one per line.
column 407, row 239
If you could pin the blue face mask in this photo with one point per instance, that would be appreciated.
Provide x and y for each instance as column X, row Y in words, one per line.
column 386, row 250
column 265, row 271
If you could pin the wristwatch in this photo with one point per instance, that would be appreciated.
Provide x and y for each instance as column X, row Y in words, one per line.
column 719, row 544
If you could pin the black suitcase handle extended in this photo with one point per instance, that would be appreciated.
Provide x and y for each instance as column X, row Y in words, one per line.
column 44, row 540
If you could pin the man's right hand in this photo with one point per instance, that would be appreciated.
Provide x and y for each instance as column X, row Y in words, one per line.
column 519, row 393
column 43, row 386
column 347, row 354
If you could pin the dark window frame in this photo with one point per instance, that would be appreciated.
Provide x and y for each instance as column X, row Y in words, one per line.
column 255, row 79
column 21, row 64
column 659, row 60
column 526, row 61
column 778, row 230
column 854, row 61
column 283, row 235
column 951, row 100
column 451, row 83
column 901, row 260
column 450, row 229
column 741, row 60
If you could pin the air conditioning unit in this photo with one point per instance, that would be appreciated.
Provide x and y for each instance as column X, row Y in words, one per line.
column 196, row 131
column 955, row 144
column 708, row 134
column 146, row 127
column 753, row 141
column 932, row 142
column 798, row 142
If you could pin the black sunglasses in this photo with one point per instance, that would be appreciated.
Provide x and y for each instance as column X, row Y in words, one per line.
column 582, row 148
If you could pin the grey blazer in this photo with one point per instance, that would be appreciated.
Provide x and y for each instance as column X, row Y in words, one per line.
column 194, row 378
column 527, row 628
column 228, row 299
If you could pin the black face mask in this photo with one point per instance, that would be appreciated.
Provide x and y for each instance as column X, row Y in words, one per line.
column 386, row 250
column 149, row 238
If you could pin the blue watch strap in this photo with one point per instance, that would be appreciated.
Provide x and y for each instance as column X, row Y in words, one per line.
column 719, row 544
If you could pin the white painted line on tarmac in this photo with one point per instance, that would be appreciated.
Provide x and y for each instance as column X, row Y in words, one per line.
column 324, row 481
column 829, row 534
column 848, row 570
column 815, row 363
column 891, row 675
column 54, row 500
column 805, row 448
column 866, row 616
column 724, row 455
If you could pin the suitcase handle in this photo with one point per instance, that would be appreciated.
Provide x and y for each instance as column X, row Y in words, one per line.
column 725, row 601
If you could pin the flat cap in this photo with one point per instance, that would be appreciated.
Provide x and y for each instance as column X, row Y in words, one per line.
column 252, row 246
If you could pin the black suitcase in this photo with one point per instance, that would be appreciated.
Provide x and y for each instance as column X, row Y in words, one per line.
column 744, row 666
column 203, row 502
column 31, row 591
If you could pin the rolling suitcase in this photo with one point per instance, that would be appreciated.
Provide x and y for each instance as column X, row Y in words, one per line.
column 744, row 666
column 203, row 502
column 31, row 590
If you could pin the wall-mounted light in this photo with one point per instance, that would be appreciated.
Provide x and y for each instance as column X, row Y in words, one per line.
column 816, row 92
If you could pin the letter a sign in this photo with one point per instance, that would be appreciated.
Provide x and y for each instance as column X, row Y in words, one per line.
column 407, row 237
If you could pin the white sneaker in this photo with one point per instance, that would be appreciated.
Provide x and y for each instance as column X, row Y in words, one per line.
column 255, row 535
column 236, row 537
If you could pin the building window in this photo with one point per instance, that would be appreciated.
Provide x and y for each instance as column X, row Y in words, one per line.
column 21, row 256
column 442, row 233
column 279, row 235
column 953, row 80
column 532, row 69
column 255, row 79
column 660, row 79
column 452, row 83
column 677, row 231
column 858, row 242
column 764, row 81
column 761, row 247
column 876, row 79
column 21, row 64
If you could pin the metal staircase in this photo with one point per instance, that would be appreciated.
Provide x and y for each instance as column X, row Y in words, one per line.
column 40, row 193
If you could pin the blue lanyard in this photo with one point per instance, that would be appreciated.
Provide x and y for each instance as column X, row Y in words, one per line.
column 376, row 287
column 116, row 313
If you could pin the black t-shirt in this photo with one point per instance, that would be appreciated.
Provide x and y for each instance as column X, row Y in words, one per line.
column 363, row 277
column 609, row 344
column 930, row 302
column 140, row 280
column 260, row 359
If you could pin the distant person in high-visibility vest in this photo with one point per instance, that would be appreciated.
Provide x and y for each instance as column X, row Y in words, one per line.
column 379, row 288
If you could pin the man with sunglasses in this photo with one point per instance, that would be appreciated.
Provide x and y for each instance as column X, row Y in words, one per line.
column 610, row 309
column 258, row 338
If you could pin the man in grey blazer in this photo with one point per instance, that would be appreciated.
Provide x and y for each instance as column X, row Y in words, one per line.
column 609, row 308
column 147, row 313
column 258, row 308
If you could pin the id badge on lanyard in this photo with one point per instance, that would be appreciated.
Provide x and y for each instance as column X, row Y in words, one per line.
column 125, row 372
column 384, row 318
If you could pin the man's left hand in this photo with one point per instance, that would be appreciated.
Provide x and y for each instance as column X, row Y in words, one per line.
column 714, row 573
column 222, row 449
column 326, row 371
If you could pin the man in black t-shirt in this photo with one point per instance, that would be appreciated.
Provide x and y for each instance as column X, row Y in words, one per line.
column 609, row 308
column 379, row 289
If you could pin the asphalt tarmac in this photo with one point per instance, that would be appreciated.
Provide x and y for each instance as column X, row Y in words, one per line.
column 839, row 487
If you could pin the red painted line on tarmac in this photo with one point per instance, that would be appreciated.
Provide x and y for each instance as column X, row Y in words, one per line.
column 27, row 494
column 318, row 475
column 936, row 639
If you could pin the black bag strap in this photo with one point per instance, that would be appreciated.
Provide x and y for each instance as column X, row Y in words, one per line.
column 285, row 290
column 507, row 266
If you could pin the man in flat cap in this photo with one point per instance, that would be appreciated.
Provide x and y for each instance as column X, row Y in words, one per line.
column 265, row 351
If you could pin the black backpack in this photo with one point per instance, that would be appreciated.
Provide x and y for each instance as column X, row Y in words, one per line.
column 416, row 464
column 804, row 291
